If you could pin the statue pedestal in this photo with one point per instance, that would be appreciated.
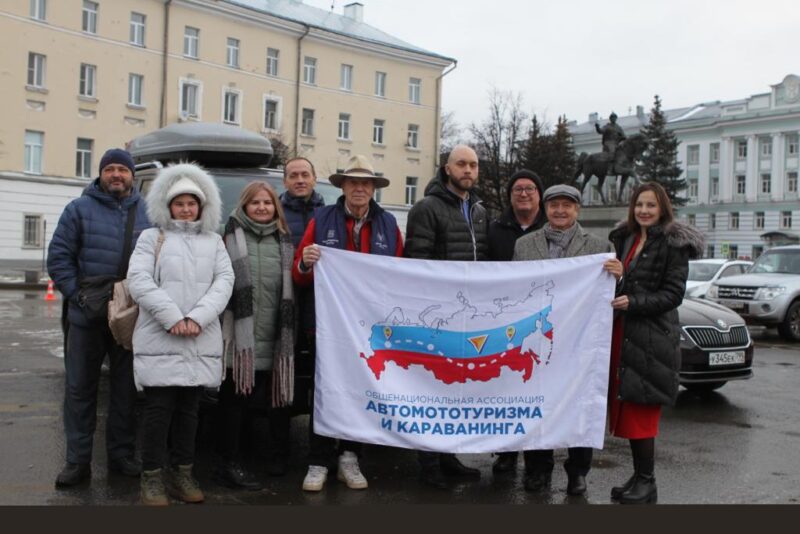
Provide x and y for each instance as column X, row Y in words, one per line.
column 600, row 220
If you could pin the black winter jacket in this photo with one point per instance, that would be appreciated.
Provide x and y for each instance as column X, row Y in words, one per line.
column 654, row 283
column 504, row 232
column 437, row 230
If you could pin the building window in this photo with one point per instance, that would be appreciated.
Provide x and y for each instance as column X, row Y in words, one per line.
column 232, row 55
column 190, row 99
column 272, row 113
column 380, row 84
column 34, row 149
column 377, row 131
column 32, row 231
column 230, row 106
column 758, row 250
column 758, row 220
column 741, row 184
column 89, row 17
column 791, row 182
column 733, row 252
column 414, row 90
column 344, row 126
column 378, row 195
column 88, row 85
column 766, row 148
column 712, row 221
column 786, row 219
column 310, row 70
column 308, row 122
column 272, row 61
column 137, row 29
column 766, row 184
column 83, row 158
column 693, row 189
column 191, row 42
column 135, row 83
column 714, row 153
column 346, row 77
column 741, row 150
column 714, row 188
column 691, row 219
column 791, row 145
column 710, row 251
column 411, row 190
column 413, row 136
column 39, row 9
column 693, row 155
column 733, row 221
column 36, row 64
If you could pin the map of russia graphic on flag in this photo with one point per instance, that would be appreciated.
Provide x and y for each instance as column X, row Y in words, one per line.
column 454, row 356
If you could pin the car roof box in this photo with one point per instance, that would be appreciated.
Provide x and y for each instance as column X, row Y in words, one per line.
column 206, row 143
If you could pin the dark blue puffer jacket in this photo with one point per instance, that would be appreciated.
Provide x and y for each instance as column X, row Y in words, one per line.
column 299, row 213
column 88, row 241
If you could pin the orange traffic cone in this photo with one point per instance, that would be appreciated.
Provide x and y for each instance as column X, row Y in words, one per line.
column 51, row 294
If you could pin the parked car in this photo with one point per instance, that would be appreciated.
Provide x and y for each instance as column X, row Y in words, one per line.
column 769, row 294
column 702, row 273
column 715, row 346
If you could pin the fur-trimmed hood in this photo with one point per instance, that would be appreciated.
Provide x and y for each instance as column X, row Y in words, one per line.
column 158, row 209
column 678, row 235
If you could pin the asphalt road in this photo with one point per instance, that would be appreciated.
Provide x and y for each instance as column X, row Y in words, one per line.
column 737, row 445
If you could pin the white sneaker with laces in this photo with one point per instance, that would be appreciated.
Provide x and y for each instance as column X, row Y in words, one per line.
column 349, row 472
column 315, row 478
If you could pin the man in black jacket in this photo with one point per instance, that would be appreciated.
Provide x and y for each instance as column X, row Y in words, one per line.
column 448, row 224
column 524, row 215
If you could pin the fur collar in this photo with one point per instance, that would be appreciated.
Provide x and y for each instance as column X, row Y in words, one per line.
column 157, row 208
column 678, row 235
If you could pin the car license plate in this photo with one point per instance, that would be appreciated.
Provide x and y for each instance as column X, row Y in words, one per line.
column 726, row 358
column 732, row 304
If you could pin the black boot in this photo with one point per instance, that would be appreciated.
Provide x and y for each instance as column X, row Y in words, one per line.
column 433, row 477
column 643, row 491
column 73, row 474
column 617, row 491
column 506, row 462
column 452, row 467
column 232, row 475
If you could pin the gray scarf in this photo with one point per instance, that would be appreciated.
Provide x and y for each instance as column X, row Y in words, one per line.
column 558, row 240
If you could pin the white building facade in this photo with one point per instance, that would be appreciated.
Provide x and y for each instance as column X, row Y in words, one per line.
column 740, row 161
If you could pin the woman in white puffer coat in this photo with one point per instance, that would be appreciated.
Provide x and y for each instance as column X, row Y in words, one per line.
column 181, row 276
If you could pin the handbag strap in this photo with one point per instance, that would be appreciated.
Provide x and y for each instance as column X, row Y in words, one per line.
column 126, row 251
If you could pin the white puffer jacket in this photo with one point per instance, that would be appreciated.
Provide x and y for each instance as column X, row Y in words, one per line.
column 193, row 278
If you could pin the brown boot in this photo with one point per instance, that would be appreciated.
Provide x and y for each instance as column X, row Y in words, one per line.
column 182, row 485
column 153, row 492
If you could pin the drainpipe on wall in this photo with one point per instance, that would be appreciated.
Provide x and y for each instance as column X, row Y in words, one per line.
column 163, row 113
column 437, row 134
column 297, row 92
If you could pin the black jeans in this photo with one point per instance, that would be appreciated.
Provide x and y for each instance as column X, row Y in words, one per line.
column 233, row 413
column 170, row 413
column 578, row 462
column 86, row 348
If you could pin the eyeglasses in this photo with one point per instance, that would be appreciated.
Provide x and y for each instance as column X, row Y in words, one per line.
column 527, row 190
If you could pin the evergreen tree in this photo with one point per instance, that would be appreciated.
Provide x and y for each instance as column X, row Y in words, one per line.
column 550, row 155
column 660, row 161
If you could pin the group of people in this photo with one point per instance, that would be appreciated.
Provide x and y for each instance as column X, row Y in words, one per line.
column 230, row 305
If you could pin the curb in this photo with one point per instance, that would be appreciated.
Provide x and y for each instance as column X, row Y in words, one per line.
column 23, row 285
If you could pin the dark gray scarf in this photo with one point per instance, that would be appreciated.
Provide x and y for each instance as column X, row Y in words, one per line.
column 558, row 240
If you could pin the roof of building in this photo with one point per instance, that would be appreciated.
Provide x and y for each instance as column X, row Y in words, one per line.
column 297, row 11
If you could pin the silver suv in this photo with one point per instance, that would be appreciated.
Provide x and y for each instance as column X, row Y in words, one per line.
column 769, row 294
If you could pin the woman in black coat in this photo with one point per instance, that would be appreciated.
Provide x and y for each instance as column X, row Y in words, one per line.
column 654, row 251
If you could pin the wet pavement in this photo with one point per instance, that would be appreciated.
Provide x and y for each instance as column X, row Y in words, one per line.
column 736, row 445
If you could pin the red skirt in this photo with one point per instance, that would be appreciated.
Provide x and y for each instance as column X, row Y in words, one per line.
column 628, row 420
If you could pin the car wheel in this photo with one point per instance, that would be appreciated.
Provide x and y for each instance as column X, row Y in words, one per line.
column 705, row 387
column 790, row 327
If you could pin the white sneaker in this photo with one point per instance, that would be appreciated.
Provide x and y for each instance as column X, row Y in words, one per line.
column 349, row 472
column 315, row 478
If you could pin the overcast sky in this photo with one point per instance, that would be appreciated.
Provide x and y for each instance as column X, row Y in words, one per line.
column 575, row 57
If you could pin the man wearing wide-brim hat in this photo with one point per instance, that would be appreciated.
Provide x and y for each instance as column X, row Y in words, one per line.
column 357, row 223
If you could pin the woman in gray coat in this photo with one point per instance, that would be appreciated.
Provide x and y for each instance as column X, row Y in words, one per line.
column 561, row 237
column 181, row 277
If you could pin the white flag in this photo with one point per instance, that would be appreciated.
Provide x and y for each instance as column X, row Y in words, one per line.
column 462, row 357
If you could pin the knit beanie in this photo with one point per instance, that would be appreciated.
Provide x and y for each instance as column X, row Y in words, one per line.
column 117, row 155
column 524, row 173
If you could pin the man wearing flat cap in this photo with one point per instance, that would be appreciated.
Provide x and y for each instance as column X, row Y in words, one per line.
column 561, row 237
column 356, row 223
column 93, row 240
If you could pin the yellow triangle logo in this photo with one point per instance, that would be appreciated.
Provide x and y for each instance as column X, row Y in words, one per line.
column 478, row 342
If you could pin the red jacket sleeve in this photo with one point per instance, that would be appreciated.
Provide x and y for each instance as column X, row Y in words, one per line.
column 303, row 279
column 399, row 251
